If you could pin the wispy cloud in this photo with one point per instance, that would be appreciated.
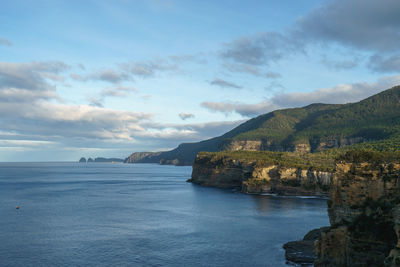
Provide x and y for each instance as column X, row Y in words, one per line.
column 105, row 75
column 272, row 75
column 5, row 42
column 225, row 84
column 185, row 116
column 340, row 64
column 146, row 69
column 117, row 91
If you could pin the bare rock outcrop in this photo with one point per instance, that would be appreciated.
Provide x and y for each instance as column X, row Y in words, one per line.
column 302, row 252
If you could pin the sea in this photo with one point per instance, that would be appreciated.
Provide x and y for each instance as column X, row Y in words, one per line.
column 103, row 214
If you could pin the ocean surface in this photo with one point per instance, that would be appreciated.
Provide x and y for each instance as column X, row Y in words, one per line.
column 102, row 214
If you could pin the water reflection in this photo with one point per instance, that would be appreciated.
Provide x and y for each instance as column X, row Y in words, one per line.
column 267, row 204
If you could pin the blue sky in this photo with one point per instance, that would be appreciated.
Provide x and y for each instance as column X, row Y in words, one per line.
column 107, row 78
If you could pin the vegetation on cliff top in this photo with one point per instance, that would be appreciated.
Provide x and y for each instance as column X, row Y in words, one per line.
column 321, row 161
column 359, row 156
column 317, row 161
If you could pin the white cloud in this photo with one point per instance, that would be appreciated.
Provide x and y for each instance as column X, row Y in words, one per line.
column 246, row 110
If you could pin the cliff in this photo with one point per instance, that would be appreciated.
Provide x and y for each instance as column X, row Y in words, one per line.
column 263, row 172
column 364, row 212
column 371, row 123
column 364, row 204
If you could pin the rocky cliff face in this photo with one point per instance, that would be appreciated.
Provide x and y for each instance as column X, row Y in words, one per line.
column 264, row 145
column 248, row 145
column 337, row 142
column 252, row 177
column 364, row 211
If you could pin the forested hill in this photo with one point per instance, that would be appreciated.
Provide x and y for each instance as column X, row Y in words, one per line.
column 373, row 123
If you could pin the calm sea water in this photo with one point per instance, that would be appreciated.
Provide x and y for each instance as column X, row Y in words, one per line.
column 104, row 214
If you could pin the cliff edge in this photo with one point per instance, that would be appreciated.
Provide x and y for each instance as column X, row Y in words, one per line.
column 264, row 172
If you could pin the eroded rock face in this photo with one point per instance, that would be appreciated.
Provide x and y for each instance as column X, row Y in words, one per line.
column 222, row 174
column 336, row 142
column 252, row 178
column 302, row 148
column 265, row 145
column 364, row 211
column 287, row 181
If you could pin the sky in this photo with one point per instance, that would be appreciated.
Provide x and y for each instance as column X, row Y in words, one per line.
column 108, row 78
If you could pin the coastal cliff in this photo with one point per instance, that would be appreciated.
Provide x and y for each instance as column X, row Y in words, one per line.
column 364, row 204
column 364, row 212
column 279, row 173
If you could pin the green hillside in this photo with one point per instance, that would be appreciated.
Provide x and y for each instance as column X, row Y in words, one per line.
column 372, row 124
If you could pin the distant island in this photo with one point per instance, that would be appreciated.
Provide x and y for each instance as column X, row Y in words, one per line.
column 83, row 160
